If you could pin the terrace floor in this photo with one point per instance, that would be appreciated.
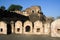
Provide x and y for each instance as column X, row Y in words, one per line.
column 27, row 37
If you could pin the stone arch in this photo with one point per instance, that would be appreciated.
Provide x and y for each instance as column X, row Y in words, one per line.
column 27, row 27
column 12, row 26
column 38, row 28
column 3, row 27
column 55, row 28
column 18, row 27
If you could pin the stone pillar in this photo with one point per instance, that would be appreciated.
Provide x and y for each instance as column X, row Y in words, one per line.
column 46, row 28
column 12, row 26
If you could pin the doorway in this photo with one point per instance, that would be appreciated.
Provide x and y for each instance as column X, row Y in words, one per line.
column 58, row 31
column 27, row 29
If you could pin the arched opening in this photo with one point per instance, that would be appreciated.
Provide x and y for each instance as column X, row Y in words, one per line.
column 58, row 31
column 27, row 29
column 32, row 11
column 38, row 11
column 1, row 30
column 38, row 29
column 9, row 29
column 18, row 29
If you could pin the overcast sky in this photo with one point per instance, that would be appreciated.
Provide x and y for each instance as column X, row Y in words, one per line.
column 49, row 7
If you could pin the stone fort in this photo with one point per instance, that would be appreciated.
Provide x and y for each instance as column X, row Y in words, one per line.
column 30, row 21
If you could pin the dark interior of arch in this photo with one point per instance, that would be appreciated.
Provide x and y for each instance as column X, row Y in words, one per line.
column 27, row 29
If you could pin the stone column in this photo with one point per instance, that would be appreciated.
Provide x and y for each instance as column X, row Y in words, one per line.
column 12, row 26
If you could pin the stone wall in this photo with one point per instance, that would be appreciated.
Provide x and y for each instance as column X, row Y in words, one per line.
column 55, row 28
column 3, row 27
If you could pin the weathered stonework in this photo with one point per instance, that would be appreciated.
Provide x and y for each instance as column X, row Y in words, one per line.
column 3, row 27
column 33, row 21
column 27, row 29
column 55, row 28
column 18, row 27
column 38, row 27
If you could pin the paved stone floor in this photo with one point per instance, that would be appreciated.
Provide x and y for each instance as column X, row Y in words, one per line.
column 27, row 37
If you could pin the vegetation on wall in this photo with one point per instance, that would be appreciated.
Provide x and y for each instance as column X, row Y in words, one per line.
column 14, row 7
column 2, row 7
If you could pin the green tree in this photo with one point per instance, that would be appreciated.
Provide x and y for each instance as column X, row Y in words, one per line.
column 14, row 7
column 2, row 7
